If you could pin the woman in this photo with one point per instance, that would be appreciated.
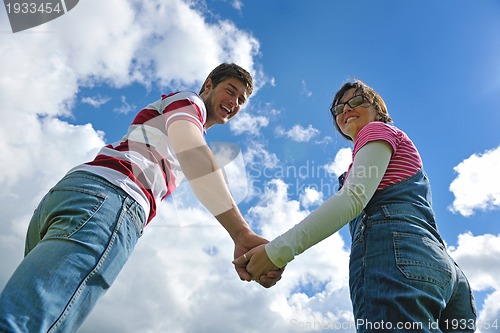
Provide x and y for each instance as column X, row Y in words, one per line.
column 400, row 276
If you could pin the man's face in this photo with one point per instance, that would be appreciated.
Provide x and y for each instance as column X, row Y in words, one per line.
column 224, row 101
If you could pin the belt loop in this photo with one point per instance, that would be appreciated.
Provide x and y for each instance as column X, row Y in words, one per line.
column 386, row 211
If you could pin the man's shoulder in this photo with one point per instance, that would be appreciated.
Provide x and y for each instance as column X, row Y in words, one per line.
column 180, row 95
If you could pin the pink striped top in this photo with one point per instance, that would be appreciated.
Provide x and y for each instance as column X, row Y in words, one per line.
column 405, row 161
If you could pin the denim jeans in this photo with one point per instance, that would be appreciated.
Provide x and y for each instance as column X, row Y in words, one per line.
column 80, row 236
column 401, row 278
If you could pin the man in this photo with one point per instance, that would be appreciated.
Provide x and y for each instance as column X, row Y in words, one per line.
column 86, row 227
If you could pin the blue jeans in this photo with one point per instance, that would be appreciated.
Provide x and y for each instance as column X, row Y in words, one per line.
column 79, row 238
column 401, row 278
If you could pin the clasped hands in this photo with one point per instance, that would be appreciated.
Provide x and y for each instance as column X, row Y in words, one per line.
column 252, row 263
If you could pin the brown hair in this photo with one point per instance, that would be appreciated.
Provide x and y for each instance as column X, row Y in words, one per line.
column 226, row 71
column 371, row 95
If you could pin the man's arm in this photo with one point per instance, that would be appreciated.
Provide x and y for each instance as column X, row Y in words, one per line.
column 207, row 181
column 204, row 175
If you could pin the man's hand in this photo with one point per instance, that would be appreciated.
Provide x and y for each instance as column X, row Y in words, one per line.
column 244, row 243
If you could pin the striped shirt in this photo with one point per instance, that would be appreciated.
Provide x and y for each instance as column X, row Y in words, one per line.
column 142, row 163
column 405, row 161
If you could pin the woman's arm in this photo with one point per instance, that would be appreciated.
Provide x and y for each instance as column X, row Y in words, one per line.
column 368, row 169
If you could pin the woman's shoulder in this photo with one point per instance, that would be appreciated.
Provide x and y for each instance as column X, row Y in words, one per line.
column 378, row 126
column 378, row 130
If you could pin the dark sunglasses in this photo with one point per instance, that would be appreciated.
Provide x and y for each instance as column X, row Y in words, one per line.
column 352, row 102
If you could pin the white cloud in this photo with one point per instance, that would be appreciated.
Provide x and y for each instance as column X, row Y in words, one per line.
column 298, row 133
column 305, row 90
column 324, row 264
column 125, row 108
column 260, row 164
column 237, row 4
column 488, row 320
column 104, row 49
column 341, row 162
column 477, row 185
column 324, row 140
column 257, row 155
column 185, row 31
column 276, row 208
column 478, row 257
column 95, row 101
column 248, row 123
column 138, row 46
column 311, row 197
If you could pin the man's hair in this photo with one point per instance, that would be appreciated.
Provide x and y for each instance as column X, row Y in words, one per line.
column 371, row 95
column 227, row 71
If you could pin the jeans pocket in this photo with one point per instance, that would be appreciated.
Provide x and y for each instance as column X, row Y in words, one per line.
column 421, row 258
column 67, row 209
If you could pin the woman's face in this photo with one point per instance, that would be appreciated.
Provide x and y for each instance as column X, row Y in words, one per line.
column 352, row 120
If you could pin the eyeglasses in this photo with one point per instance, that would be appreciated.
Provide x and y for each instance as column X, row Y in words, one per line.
column 352, row 102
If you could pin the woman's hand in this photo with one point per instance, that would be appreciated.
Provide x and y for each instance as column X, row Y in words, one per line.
column 257, row 263
column 245, row 242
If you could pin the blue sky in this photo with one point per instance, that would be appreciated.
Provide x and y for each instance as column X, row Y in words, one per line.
column 75, row 83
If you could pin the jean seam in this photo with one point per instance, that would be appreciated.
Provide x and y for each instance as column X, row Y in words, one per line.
column 78, row 189
column 138, row 222
column 97, row 178
column 472, row 300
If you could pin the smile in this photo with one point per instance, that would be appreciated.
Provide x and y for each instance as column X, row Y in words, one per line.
column 350, row 118
column 226, row 109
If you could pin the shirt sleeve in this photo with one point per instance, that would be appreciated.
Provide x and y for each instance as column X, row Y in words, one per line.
column 377, row 130
column 368, row 168
column 185, row 106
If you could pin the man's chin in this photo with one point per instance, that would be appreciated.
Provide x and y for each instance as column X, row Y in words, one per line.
column 223, row 121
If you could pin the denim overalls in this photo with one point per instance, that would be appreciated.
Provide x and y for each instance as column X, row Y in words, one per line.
column 401, row 278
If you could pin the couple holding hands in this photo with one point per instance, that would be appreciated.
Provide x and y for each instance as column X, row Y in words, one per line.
column 85, row 228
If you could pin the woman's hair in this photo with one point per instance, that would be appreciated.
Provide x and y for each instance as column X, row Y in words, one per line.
column 227, row 71
column 371, row 95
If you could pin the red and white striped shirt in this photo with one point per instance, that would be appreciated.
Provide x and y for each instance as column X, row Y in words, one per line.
column 405, row 161
column 142, row 163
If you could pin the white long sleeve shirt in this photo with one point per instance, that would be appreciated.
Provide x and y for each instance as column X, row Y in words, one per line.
column 368, row 168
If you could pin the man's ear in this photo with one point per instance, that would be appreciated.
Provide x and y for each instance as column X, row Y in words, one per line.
column 208, row 84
